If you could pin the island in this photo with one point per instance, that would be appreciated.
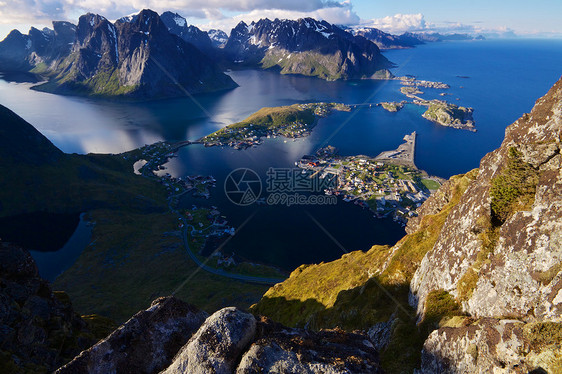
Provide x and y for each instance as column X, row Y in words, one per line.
column 438, row 111
column 450, row 115
column 292, row 121
column 393, row 106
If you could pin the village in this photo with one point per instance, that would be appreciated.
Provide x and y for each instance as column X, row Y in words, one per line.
column 291, row 122
column 384, row 187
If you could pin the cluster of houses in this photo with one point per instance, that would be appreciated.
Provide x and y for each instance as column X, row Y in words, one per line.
column 373, row 184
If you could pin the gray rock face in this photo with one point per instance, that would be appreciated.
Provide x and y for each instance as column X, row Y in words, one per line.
column 218, row 37
column 217, row 345
column 282, row 350
column 37, row 327
column 520, row 272
column 488, row 346
column 146, row 343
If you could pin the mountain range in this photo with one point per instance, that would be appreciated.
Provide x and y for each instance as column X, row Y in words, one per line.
column 146, row 56
column 306, row 47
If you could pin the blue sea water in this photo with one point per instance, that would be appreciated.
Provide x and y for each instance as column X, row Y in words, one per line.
column 500, row 79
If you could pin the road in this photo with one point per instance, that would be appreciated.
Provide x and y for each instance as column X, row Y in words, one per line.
column 222, row 273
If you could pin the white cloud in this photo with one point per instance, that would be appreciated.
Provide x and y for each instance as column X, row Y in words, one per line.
column 398, row 23
column 29, row 11
column 340, row 15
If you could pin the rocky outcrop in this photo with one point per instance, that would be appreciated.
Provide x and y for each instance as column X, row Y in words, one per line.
column 39, row 330
column 146, row 343
column 218, row 344
column 493, row 346
column 306, row 47
column 229, row 341
column 282, row 350
column 500, row 250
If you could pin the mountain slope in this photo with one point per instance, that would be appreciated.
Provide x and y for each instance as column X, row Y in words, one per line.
column 507, row 229
column 218, row 37
column 305, row 47
column 21, row 143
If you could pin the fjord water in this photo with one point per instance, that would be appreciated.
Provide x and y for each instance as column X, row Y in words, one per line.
column 500, row 79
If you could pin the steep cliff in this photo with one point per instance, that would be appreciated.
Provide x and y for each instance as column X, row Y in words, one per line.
column 500, row 251
column 135, row 57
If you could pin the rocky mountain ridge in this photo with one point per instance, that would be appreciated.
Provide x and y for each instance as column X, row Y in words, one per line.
column 305, row 47
column 138, row 56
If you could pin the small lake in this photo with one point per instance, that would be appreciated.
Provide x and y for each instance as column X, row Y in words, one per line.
column 55, row 241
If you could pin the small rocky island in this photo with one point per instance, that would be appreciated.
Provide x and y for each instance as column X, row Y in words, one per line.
column 438, row 111
column 449, row 115
column 393, row 106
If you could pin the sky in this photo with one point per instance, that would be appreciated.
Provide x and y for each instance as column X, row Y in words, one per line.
column 493, row 18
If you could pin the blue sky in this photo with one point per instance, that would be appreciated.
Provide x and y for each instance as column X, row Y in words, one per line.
column 523, row 16
column 539, row 18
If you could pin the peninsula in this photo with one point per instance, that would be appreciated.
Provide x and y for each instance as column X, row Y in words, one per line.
column 292, row 121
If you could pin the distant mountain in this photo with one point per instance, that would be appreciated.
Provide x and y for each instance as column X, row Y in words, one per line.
column 218, row 37
column 177, row 25
column 306, row 47
column 406, row 40
column 137, row 56
column 382, row 39
column 421, row 38
column 19, row 52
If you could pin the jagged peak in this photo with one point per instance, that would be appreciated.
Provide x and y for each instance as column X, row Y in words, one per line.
column 179, row 20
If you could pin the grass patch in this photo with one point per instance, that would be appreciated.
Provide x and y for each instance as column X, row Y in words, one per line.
column 514, row 189
column 430, row 184
column 439, row 305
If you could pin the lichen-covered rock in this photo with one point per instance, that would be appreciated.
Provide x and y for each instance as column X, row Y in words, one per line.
column 279, row 349
column 500, row 249
column 218, row 344
column 493, row 346
column 39, row 330
column 146, row 343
